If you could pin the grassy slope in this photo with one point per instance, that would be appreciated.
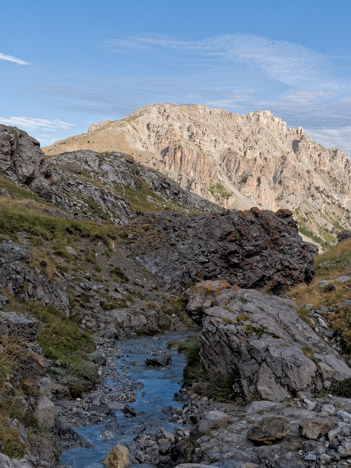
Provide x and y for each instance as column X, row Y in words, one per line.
column 329, row 266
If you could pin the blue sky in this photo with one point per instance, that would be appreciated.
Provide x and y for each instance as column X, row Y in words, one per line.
column 65, row 64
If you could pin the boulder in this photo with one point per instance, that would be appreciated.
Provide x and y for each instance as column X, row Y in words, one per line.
column 268, row 350
column 45, row 412
column 317, row 427
column 159, row 361
column 200, row 297
column 98, row 358
column 268, row 430
column 119, row 457
column 132, row 319
column 129, row 411
column 15, row 324
column 252, row 249
column 343, row 279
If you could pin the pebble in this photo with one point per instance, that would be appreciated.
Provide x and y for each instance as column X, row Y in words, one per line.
column 311, row 457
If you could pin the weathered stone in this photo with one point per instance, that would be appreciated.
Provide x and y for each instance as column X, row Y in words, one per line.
column 6, row 462
column 22, row 159
column 261, row 341
column 324, row 283
column 71, row 250
column 317, row 427
column 19, row 278
column 45, row 412
column 15, row 324
column 118, row 457
column 268, row 430
column 343, row 279
column 98, row 358
column 200, row 297
column 159, row 361
column 239, row 247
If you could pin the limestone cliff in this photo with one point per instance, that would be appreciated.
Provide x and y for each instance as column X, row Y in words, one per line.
column 237, row 160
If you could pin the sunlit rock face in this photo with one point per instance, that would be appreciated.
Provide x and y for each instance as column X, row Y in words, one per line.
column 237, row 160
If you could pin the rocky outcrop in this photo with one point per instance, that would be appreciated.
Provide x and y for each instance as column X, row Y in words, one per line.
column 86, row 184
column 254, row 249
column 313, row 432
column 28, row 282
column 237, row 160
column 263, row 344
column 15, row 324
column 22, row 160
column 113, row 186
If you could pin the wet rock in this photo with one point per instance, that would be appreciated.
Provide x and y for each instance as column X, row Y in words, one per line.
column 129, row 411
column 18, row 325
column 268, row 430
column 315, row 428
column 159, row 361
column 119, row 457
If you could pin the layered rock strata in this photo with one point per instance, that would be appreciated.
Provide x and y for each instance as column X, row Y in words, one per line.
column 260, row 341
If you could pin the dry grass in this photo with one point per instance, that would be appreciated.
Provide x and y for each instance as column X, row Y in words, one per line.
column 329, row 265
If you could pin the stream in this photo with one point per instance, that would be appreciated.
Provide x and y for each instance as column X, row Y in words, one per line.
column 154, row 387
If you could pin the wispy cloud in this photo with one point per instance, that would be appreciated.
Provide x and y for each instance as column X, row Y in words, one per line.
column 287, row 62
column 10, row 58
column 332, row 137
column 32, row 124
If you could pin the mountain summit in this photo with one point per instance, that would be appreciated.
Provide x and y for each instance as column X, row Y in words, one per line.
column 237, row 160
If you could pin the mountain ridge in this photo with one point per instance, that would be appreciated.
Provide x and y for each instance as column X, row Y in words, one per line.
column 236, row 160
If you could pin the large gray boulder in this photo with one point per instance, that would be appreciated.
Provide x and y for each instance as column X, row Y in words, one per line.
column 252, row 249
column 261, row 341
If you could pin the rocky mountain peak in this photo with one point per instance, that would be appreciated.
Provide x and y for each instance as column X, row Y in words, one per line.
column 236, row 160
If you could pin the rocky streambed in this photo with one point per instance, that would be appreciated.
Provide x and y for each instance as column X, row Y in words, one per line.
column 134, row 406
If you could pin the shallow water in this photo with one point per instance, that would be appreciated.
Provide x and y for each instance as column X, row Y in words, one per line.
column 159, row 388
